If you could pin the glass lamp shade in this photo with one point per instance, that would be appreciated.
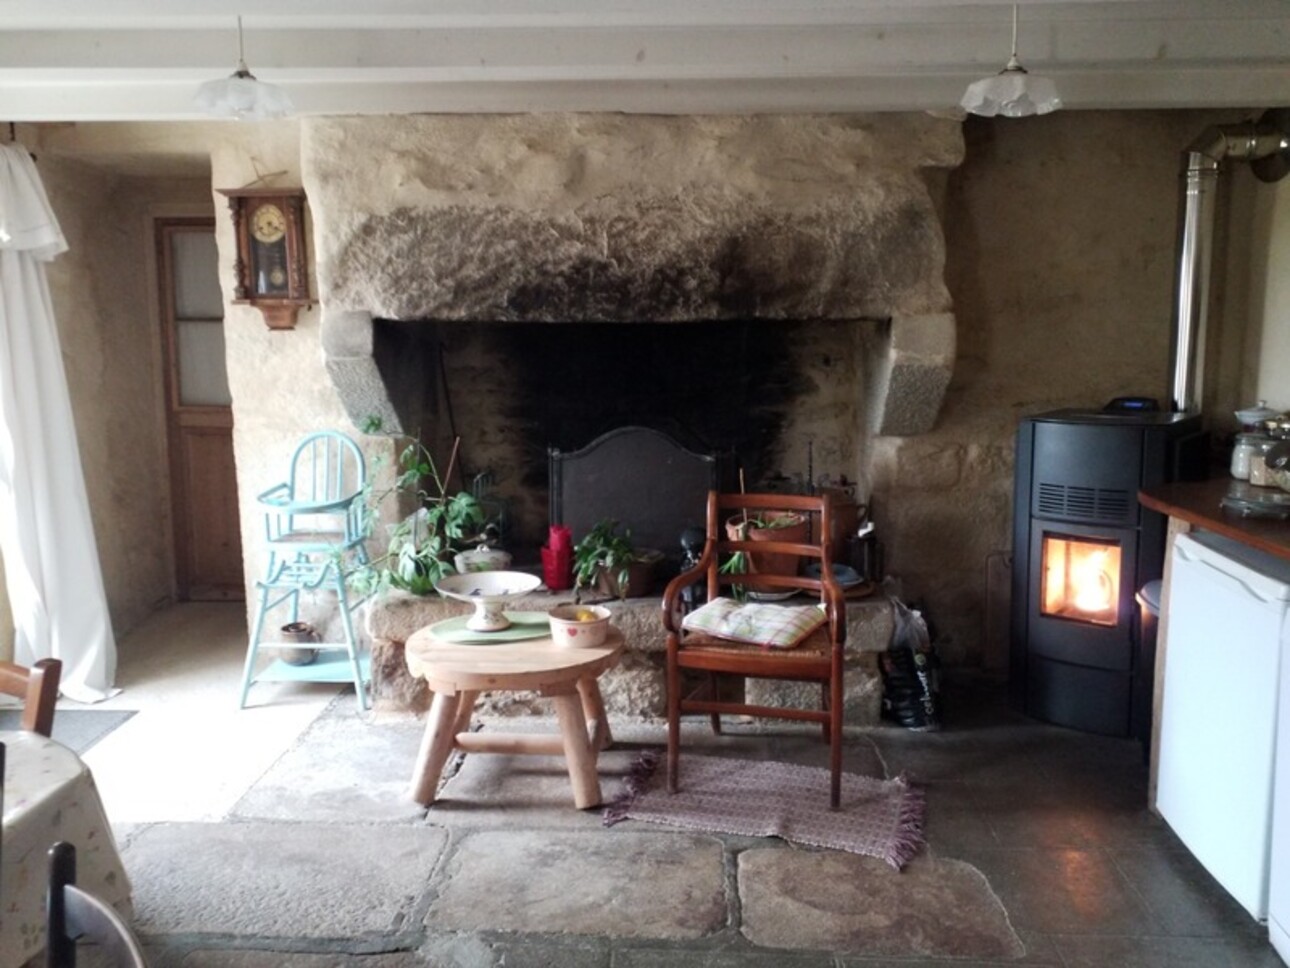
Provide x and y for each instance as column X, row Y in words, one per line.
column 243, row 97
column 1012, row 93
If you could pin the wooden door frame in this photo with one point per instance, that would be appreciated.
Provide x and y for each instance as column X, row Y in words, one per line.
column 164, row 227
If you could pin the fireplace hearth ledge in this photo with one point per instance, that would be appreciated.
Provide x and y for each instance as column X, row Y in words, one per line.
column 636, row 687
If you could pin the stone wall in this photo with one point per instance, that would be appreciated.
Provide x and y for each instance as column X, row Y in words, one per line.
column 105, row 304
column 1060, row 234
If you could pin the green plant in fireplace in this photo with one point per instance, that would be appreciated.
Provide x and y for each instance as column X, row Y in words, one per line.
column 603, row 549
column 421, row 545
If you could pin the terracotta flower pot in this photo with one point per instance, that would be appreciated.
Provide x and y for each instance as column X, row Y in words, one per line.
column 640, row 577
column 789, row 527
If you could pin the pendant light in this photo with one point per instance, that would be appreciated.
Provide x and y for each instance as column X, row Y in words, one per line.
column 1013, row 92
column 241, row 95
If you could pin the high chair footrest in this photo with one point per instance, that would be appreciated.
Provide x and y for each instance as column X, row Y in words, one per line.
column 332, row 665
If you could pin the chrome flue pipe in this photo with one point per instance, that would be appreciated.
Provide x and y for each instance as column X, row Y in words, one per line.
column 1202, row 162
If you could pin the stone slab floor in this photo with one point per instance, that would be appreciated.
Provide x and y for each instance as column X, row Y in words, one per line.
column 292, row 843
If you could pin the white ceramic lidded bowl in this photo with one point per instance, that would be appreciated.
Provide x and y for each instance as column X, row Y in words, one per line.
column 482, row 558
column 570, row 632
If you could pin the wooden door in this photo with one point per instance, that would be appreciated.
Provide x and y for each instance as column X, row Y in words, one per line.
column 207, row 535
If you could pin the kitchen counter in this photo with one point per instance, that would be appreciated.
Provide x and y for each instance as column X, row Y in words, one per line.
column 1188, row 505
column 1197, row 504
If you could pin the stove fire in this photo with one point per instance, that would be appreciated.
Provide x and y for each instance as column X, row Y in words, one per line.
column 1081, row 579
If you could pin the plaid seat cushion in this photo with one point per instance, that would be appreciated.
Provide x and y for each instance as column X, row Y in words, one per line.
column 774, row 626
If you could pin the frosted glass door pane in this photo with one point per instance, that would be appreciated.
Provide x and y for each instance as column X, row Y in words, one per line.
column 203, row 376
column 196, row 267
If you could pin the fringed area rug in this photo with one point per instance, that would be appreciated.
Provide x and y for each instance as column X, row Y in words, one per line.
column 755, row 798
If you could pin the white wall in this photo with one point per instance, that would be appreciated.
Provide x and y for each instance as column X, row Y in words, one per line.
column 1270, row 309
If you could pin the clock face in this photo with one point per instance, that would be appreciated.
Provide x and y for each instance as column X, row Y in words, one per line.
column 268, row 224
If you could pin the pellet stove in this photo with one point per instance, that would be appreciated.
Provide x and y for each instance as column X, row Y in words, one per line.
column 1082, row 547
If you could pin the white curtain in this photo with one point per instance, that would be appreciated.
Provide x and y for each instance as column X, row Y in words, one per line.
column 51, row 562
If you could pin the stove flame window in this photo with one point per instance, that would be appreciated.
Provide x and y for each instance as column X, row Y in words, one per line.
column 1081, row 579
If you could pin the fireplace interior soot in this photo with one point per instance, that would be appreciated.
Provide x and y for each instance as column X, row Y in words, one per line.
column 751, row 389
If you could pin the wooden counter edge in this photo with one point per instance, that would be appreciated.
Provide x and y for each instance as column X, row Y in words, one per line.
column 1199, row 503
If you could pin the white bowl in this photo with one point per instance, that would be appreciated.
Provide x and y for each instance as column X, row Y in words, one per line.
column 488, row 591
column 571, row 632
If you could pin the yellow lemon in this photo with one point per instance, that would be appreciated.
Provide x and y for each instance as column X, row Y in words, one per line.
column 585, row 615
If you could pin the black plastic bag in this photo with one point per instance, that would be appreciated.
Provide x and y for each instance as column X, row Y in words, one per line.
column 910, row 673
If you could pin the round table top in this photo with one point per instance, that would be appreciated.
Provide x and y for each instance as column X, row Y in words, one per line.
column 536, row 664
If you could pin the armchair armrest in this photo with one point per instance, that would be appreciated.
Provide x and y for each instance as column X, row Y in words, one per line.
column 835, row 606
column 672, row 594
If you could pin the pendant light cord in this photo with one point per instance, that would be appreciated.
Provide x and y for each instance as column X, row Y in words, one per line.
column 1014, row 64
column 241, row 53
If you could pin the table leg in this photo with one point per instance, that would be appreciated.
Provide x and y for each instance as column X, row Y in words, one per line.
column 578, row 753
column 436, row 746
column 593, row 708
column 465, row 709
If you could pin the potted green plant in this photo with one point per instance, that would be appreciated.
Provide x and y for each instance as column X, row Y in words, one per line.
column 607, row 560
column 785, row 526
column 423, row 544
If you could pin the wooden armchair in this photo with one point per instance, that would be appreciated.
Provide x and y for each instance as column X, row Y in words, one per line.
column 37, row 687
column 817, row 658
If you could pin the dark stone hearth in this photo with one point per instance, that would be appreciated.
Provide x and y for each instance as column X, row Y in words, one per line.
column 667, row 260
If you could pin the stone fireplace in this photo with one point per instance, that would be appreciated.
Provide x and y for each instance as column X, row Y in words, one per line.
column 767, row 287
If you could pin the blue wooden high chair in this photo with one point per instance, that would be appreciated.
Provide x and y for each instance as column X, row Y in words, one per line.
column 315, row 523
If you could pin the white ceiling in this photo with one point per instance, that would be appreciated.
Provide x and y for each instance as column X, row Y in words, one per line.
column 75, row 60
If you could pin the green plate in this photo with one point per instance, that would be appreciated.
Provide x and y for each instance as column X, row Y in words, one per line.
column 524, row 625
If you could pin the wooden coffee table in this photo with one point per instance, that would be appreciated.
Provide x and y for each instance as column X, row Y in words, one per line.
column 458, row 672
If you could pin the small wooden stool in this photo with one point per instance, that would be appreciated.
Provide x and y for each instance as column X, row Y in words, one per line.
column 458, row 673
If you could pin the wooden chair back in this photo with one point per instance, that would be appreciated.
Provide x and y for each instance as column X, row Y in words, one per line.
column 37, row 687
column 714, row 568
column 73, row 914
column 815, row 659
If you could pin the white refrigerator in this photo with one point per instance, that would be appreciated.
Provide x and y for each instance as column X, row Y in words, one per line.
column 1279, row 888
column 1226, row 639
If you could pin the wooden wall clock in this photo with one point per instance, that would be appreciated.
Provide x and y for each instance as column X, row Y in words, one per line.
column 270, row 267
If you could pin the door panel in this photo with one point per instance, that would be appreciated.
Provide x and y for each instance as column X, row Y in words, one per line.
column 207, row 534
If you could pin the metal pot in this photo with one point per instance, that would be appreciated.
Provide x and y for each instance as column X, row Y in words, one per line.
column 301, row 633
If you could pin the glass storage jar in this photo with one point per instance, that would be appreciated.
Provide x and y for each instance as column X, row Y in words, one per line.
column 1260, row 473
column 1242, row 451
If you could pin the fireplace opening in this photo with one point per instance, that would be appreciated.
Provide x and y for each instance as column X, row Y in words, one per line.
column 1081, row 579
column 783, row 399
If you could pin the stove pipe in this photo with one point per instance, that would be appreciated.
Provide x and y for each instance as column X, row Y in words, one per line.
column 1266, row 145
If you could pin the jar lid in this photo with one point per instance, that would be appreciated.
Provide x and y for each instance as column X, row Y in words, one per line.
column 1254, row 415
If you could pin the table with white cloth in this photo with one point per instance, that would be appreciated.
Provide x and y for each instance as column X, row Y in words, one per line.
column 49, row 795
